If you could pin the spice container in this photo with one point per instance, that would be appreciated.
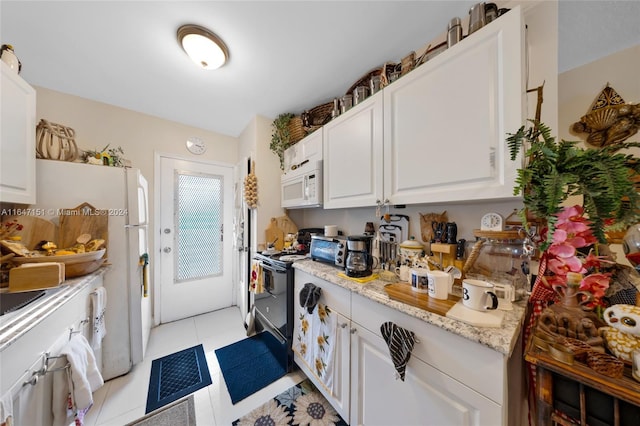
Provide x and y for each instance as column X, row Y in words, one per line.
column 454, row 32
column 359, row 94
column 346, row 102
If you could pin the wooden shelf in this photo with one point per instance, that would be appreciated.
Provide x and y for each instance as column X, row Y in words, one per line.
column 623, row 389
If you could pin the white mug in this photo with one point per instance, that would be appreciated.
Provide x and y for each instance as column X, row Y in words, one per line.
column 440, row 284
column 478, row 295
column 420, row 280
column 404, row 273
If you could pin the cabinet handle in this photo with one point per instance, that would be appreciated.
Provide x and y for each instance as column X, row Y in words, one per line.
column 354, row 330
column 343, row 325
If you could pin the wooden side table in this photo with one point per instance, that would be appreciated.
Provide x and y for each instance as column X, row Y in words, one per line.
column 624, row 392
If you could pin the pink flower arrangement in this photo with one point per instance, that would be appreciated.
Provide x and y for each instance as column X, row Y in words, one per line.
column 572, row 232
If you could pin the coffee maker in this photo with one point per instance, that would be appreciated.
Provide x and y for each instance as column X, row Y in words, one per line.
column 359, row 262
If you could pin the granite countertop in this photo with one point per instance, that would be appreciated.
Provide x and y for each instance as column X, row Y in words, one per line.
column 502, row 339
column 15, row 324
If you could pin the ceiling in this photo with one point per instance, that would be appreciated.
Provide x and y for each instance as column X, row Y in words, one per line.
column 285, row 56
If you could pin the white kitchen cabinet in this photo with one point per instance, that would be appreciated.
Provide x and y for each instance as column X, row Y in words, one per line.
column 17, row 139
column 352, row 147
column 47, row 329
column 339, row 301
column 445, row 123
column 306, row 151
column 449, row 380
column 426, row 396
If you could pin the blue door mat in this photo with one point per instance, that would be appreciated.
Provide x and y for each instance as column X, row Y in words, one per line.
column 251, row 364
column 177, row 375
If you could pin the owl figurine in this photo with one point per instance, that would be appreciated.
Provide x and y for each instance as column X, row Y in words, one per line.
column 622, row 335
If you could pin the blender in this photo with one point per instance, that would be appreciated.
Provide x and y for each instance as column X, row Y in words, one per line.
column 359, row 262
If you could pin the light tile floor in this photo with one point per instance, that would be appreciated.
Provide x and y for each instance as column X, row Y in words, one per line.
column 123, row 399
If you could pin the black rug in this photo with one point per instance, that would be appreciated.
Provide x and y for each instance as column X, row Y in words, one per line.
column 251, row 364
column 177, row 375
column 301, row 404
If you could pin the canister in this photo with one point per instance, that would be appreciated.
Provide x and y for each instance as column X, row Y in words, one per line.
column 346, row 102
column 359, row 94
column 374, row 84
column 454, row 32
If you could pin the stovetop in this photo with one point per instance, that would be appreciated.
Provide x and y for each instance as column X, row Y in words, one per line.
column 282, row 259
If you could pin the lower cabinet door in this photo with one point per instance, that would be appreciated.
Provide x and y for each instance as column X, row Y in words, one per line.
column 337, row 392
column 426, row 396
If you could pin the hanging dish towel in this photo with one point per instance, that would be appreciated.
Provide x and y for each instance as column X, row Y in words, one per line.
column 400, row 342
column 73, row 388
column 316, row 342
column 309, row 296
column 98, row 300
column 6, row 410
column 256, row 284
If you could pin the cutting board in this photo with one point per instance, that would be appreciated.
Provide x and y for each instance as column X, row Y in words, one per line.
column 34, row 229
column 398, row 224
column 83, row 219
column 402, row 292
column 286, row 225
column 274, row 233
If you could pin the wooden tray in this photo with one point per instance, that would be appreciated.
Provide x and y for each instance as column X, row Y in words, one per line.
column 402, row 292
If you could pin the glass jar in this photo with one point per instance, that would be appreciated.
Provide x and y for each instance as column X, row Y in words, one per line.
column 501, row 262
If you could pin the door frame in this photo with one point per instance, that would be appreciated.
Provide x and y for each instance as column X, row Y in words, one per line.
column 155, row 227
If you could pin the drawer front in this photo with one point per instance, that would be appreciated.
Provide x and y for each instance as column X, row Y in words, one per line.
column 334, row 296
column 477, row 366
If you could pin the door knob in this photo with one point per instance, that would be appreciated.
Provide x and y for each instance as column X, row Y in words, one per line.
column 167, row 249
column 167, row 230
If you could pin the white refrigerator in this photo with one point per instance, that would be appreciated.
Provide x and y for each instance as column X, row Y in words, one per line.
column 124, row 194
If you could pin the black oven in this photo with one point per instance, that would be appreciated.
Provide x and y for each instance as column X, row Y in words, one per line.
column 274, row 306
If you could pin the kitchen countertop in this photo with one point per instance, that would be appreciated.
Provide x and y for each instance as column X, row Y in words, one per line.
column 15, row 324
column 502, row 339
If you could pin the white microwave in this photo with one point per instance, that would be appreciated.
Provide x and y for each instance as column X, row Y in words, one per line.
column 302, row 187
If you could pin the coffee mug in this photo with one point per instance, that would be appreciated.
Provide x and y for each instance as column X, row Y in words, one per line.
column 404, row 273
column 440, row 284
column 420, row 280
column 476, row 295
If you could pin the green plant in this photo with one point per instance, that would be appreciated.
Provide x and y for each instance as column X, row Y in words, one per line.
column 553, row 171
column 280, row 136
column 107, row 156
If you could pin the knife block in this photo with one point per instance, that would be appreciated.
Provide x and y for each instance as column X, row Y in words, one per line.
column 445, row 253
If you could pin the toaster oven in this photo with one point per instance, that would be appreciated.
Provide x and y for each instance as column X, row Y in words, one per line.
column 328, row 249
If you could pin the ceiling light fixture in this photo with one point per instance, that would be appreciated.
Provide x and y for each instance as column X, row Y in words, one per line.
column 203, row 47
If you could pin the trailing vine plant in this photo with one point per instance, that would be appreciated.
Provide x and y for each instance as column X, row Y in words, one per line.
column 280, row 138
column 553, row 171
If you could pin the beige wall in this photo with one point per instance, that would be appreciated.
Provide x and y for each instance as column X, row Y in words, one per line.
column 579, row 87
column 141, row 136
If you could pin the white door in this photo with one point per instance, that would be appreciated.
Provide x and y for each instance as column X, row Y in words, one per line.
column 195, row 235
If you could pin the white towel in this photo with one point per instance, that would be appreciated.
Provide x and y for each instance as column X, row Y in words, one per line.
column 98, row 307
column 6, row 410
column 316, row 342
column 74, row 390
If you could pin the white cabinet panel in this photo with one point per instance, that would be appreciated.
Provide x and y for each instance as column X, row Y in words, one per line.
column 352, row 147
column 425, row 397
column 17, row 139
column 446, row 122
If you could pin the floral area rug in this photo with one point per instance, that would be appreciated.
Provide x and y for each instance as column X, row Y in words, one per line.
column 302, row 404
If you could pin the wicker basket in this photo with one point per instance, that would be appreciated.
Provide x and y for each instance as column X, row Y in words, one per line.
column 382, row 71
column 579, row 348
column 607, row 365
column 55, row 142
column 320, row 115
column 296, row 131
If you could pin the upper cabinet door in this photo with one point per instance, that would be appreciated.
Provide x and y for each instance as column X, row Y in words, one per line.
column 446, row 121
column 353, row 156
column 17, row 139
